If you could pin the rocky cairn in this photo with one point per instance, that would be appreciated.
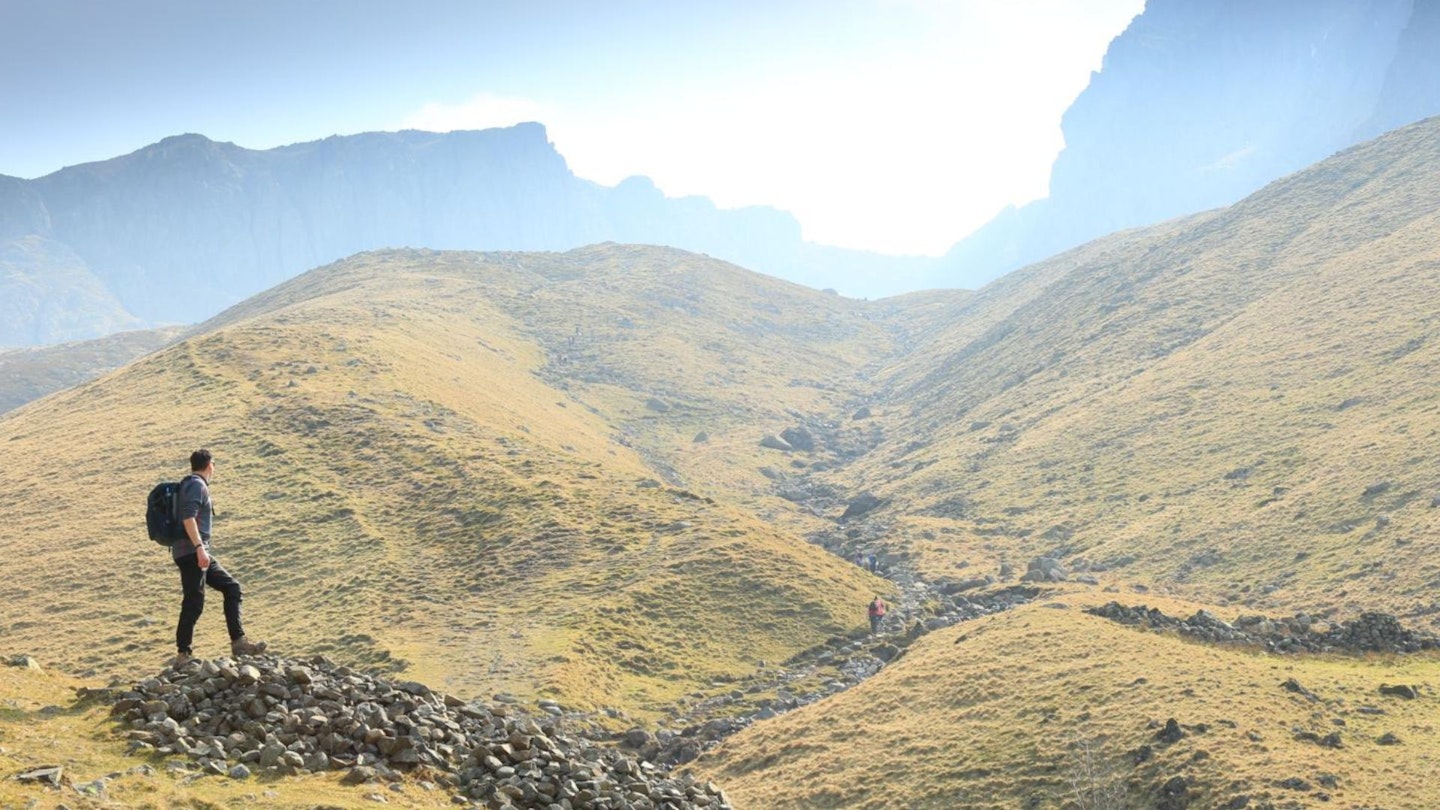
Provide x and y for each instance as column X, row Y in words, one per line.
column 288, row 716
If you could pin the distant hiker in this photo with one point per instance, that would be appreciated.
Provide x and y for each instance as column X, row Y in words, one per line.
column 198, row 568
column 874, row 563
column 860, row 558
column 877, row 613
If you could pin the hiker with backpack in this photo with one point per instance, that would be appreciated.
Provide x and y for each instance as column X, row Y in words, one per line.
column 187, row 527
column 877, row 613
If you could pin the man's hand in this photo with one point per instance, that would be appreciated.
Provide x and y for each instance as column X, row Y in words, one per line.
column 202, row 558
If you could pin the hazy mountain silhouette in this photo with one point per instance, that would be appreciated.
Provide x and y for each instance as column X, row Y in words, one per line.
column 1200, row 103
column 178, row 230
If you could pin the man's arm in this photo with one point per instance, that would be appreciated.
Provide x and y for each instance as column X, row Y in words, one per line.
column 192, row 531
column 190, row 510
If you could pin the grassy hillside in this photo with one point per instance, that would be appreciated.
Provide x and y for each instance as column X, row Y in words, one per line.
column 28, row 374
column 543, row 474
column 407, row 480
column 1237, row 406
column 1046, row 706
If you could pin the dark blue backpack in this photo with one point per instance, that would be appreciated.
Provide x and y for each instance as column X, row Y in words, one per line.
column 162, row 517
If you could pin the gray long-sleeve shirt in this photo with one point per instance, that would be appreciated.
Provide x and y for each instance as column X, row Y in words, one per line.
column 193, row 501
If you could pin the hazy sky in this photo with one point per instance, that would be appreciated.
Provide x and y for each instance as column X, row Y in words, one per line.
column 891, row 125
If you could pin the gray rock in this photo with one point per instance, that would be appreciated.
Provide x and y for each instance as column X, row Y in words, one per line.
column 863, row 503
column 1400, row 691
column 1174, row 794
column 49, row 774
column 1044, row 569
column 25, row 662
column 1171, row 733
column 357, row 775
column 799, row 438
column 776, row 443
column 657, row 405
column 886, row 652
column 637, row 738
column 239, row 772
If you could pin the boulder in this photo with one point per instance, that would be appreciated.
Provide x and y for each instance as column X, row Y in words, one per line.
column 49, row 775
column 776, row 443
column 1044, row 569
column 1400, row 691
column 25, row 662
column 1174, row 794
column 1171, row 733
column 865, row 502
column 799, row 438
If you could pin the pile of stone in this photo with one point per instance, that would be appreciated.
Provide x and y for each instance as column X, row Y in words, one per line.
column 1371, row 632
column 1377, row 632
column 288, row 716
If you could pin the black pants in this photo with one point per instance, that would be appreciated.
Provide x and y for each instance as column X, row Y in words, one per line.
column 875, row 623
column 192, row 582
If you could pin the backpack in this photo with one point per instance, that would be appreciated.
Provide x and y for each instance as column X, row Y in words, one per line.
column 162, row 518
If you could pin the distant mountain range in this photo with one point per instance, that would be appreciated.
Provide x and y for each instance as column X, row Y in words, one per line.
column 1201, row 102
column 1197, row 105
column 175, row 232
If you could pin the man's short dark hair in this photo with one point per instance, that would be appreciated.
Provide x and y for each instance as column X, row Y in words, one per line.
column 200, row 459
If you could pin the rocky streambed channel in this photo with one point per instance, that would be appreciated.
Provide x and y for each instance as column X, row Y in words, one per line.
column 815, row 674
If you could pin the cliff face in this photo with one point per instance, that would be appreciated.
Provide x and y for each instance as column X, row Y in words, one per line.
column 181, row 229
column 1199, row 103
column 1413, row 82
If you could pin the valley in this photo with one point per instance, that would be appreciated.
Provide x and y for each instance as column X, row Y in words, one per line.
column 631, row 482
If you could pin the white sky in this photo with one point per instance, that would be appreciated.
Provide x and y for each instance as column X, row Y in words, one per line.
column 904, row 148
column 891, row 125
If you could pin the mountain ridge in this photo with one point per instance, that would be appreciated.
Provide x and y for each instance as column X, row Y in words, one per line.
column 177, row 230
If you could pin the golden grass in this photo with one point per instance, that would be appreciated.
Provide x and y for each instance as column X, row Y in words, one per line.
column 1212, row 397
column 987, row 715
column 28, row 374
column 402, row 484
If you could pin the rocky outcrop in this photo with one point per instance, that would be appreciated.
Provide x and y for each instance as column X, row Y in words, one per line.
column 275, row 715
column 1368, row 633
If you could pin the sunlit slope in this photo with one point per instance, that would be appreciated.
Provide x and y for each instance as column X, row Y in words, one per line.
column 28, row 374
column 399, row 485
column 996, row 714
column 1242, row 408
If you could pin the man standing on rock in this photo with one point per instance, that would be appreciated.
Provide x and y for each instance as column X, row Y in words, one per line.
column 877, row 614
column 197, row 567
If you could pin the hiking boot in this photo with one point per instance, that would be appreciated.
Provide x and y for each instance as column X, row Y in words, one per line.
column 180, row 660
column 244, row 646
